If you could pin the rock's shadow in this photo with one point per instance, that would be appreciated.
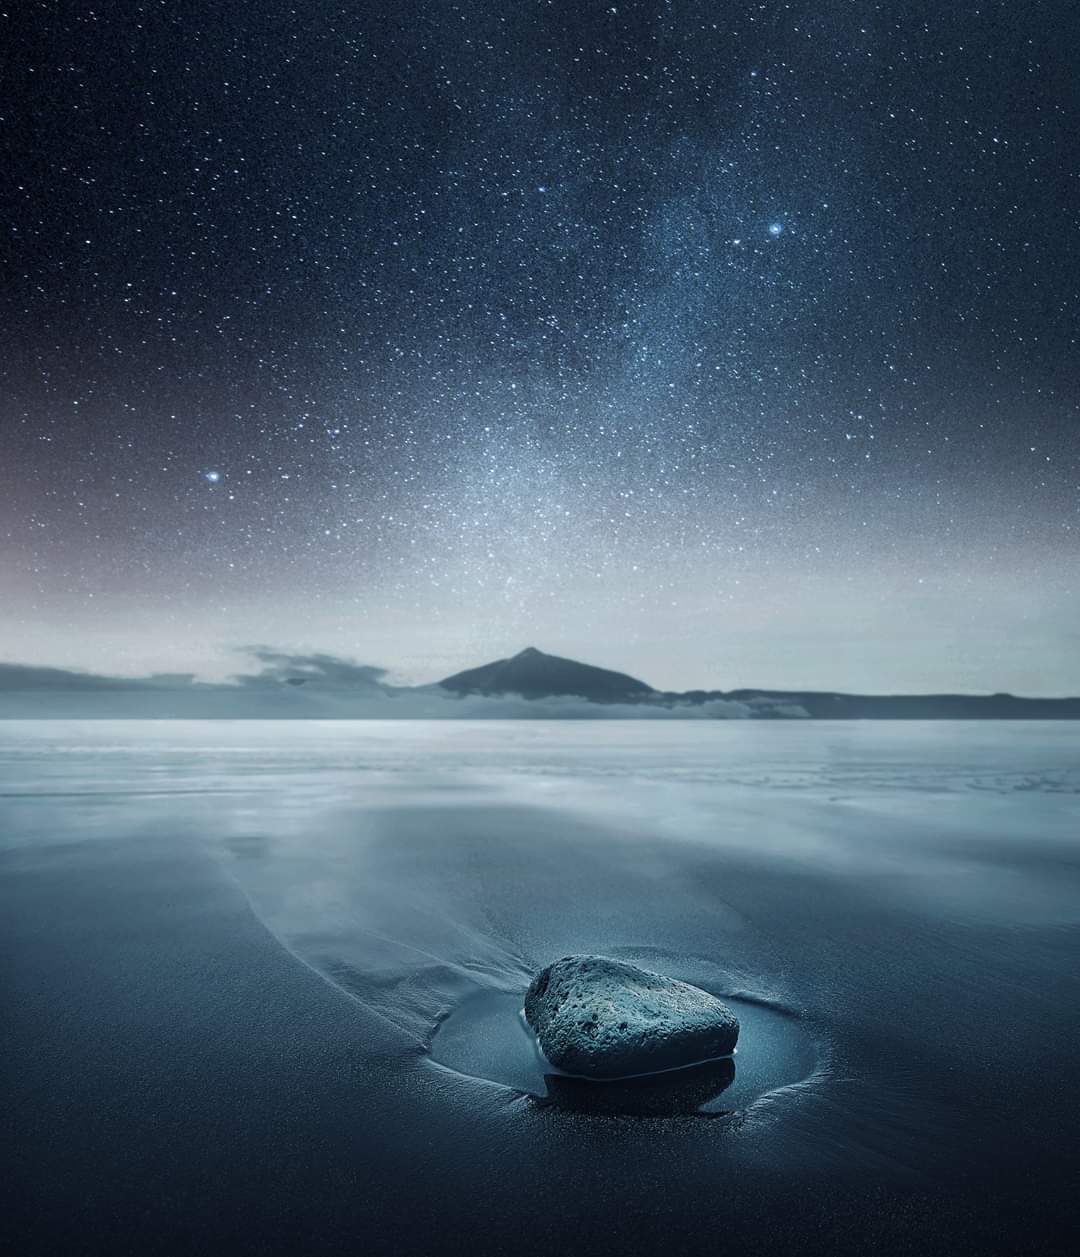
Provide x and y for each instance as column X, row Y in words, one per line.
column 679, row 1091
column 485, row 1036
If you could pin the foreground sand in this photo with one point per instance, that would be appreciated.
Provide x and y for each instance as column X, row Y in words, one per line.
column 225, row 951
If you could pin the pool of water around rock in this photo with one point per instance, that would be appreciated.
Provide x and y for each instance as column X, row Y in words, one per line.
column 487, row 1037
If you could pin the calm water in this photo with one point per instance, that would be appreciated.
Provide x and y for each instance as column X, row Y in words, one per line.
column 261, row 979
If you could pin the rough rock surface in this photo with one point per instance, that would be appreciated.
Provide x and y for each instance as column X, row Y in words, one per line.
column 602, row 1018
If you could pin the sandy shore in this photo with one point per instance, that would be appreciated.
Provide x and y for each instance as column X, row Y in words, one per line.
column 219, row 978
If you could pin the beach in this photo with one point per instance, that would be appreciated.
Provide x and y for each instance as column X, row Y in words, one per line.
column 229, row 949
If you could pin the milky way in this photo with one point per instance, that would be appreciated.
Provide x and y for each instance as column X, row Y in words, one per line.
column 722, row 343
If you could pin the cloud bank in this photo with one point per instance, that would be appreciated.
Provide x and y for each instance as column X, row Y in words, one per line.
column 316, row 686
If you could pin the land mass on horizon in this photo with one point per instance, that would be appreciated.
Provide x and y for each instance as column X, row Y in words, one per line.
column 529, row 684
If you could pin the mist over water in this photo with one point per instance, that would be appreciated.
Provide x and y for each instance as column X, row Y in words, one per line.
column 294, row 953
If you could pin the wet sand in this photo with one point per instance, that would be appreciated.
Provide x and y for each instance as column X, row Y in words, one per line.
column 228, row 950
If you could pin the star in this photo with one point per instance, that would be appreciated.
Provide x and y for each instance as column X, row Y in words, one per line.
column 563, row 355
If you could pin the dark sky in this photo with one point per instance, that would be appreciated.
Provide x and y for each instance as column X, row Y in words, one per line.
column 723, row 343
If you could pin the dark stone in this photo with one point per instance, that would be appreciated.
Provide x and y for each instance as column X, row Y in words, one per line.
column 600, row 1018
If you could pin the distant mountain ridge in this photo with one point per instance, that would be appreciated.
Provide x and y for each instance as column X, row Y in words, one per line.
column 528, row 685
column 533, row 674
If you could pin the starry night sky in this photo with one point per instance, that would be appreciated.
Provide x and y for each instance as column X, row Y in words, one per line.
column 722, row 343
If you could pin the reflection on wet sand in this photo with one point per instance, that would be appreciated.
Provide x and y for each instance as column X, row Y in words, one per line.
column 677, row 1091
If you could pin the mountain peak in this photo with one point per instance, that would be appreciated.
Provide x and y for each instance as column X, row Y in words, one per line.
column 533, row 674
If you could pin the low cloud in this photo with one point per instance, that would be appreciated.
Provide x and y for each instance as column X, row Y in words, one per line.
column 315, row 686
column 281, row 667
